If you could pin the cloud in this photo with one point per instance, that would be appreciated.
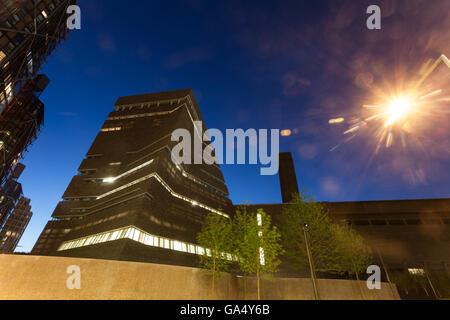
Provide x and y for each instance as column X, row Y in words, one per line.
column 190, row 55
column 293, row 84
column 106, row 43
column 308, row 151
column 330, row 186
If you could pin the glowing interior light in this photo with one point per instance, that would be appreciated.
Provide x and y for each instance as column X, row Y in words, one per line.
column 397, row 109
column 337, row 120
column 286, row 133
column 109, row 180
column 262, row 260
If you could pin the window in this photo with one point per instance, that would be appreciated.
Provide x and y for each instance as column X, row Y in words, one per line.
column 94, row 156
column 166, row 244
column 112, row 129
column 2, row 55
column 416, row 271
column 136, row 236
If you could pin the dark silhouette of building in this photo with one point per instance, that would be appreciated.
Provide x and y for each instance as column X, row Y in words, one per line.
column 402, row 234
column 288, row 180
column 129, row 200
column 10, row 192
column 15, row 226
column 29, row 32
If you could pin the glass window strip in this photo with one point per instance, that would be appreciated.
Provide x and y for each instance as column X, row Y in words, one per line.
column 140, row 236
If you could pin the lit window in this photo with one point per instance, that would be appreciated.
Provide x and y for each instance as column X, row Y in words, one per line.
column 177, row 245
column 2, row 55
column 416, row 271
column 136, row 236
column 115, row 235
column 102, row 239
column 129, row 233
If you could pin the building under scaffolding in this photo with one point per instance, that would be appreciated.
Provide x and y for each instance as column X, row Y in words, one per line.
column 29, row 32
column 20, row 123
column 15, row 226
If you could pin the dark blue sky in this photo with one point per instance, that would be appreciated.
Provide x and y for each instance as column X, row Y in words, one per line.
column 252, row 64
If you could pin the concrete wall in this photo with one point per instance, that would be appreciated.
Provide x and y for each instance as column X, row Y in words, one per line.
column 35, row 278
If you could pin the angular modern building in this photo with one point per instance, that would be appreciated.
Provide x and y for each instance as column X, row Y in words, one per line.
column 15, row 226
column 129, row 200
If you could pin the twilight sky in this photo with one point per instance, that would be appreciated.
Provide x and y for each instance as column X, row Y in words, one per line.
column 256, row 64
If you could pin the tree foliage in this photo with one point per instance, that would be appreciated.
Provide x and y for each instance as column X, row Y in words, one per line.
column 353, row 255
column 257, row 244
column 303, row 210
column 335, row 248
column 216, row 238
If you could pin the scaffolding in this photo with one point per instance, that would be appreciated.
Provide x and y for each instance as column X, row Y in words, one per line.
column 20, row 124
column 30, row 31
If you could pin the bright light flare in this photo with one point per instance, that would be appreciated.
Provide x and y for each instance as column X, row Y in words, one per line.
column 336, row 120
column 400, row 116
column 397, row 109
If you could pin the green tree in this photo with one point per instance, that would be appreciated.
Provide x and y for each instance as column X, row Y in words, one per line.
column 257, row 244
column 353, row 255
column 216, row 238
column 303, row 210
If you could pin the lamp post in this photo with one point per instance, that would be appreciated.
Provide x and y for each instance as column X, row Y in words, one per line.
column 313, row 276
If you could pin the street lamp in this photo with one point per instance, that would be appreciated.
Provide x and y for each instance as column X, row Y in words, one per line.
column 313, row 276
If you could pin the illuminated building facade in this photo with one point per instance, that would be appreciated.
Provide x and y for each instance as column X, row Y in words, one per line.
column 129, row 200
column 15, row 226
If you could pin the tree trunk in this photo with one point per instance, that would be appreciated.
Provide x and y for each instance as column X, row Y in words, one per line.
column 213, row 277
column 257, row 277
